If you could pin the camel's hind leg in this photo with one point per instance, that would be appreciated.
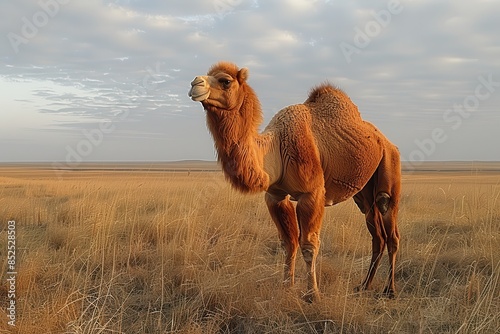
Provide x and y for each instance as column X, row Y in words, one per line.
column 379, row 201
column 391, row 228
column 387, row 201
column 387, row 185
column 365, row 202
column 283, row 214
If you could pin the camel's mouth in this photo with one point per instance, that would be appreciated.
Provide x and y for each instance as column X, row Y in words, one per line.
column 198, row 96
column 199, row 90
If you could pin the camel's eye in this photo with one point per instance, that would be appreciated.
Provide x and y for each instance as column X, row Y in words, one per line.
column 225, row 82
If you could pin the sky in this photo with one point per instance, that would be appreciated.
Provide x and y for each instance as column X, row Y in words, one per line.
column 99, row 80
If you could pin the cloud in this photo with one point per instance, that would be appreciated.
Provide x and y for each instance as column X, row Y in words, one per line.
column 95, row 60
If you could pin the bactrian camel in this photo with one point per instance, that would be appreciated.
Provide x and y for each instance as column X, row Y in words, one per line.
column 318, row 154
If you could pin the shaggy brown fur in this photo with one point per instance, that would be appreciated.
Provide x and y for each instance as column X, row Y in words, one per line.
column 318, row 153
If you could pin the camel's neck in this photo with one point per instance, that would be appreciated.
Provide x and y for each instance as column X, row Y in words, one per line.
column 240, row 148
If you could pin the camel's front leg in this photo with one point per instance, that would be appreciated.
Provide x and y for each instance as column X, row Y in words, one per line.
column 283, row 215
column 310, row 208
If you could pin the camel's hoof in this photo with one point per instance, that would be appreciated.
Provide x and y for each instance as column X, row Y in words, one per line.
column 382, row 201
column 311, row 297
column 387, row 293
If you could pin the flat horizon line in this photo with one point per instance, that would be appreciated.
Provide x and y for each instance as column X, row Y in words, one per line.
column 193, row 165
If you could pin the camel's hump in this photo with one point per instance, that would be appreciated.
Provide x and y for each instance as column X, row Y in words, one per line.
column 325, row 92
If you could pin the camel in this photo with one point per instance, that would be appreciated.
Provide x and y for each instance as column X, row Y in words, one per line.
column 316, row 154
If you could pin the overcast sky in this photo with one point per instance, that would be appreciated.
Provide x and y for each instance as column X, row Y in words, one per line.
column 108, row 80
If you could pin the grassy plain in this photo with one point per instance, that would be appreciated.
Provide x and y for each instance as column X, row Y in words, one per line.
column 148, row 250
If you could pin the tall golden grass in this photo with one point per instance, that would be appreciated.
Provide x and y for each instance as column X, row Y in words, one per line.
column 162, row 252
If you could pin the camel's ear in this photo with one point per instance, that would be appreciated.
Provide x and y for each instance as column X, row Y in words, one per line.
column 242, row 75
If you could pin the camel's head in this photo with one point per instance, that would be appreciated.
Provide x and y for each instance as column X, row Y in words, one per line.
column 221, row 88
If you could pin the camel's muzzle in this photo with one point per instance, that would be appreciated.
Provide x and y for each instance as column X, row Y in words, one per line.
column 199, row 89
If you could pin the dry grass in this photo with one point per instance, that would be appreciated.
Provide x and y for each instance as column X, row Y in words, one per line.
column 160, row 252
